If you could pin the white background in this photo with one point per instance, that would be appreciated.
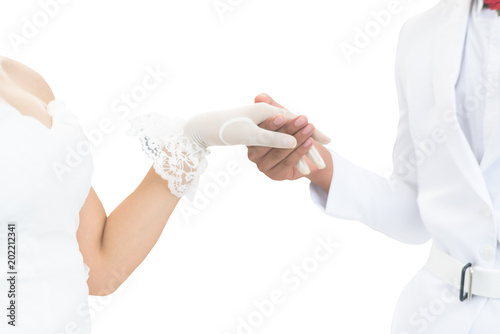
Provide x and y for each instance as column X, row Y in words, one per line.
column 208, row 270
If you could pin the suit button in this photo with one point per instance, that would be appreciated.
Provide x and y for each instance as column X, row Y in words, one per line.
column 487, row 253
column 487, row 211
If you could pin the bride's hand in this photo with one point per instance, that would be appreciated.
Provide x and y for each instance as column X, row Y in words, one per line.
column 179, row 148
column 240, row 126
column 289, row 164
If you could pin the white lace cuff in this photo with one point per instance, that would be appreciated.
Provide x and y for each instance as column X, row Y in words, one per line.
column 177, row 159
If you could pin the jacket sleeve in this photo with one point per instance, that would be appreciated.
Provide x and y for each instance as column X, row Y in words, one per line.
column 388, row 205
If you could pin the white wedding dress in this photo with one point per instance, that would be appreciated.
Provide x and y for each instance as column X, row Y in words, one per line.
column 44, row 182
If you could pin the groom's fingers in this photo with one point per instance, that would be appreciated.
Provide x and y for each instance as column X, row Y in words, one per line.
column 301, row 131
column 284, row 169
column 267, row 99
column 291, row 127
column 318, row 135
column 272, row 124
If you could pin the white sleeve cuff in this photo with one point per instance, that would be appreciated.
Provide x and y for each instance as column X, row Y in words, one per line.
column 343, row 199
column 358, row 194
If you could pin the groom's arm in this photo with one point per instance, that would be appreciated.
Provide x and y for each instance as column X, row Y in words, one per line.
column 347, row 191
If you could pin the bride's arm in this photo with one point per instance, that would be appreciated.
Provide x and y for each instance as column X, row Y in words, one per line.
column 111, row 246
column 114, row 246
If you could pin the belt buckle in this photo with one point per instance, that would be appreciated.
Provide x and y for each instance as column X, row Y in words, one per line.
column 467, row 295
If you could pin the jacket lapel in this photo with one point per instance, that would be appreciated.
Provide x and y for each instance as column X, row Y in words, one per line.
column 447, row 58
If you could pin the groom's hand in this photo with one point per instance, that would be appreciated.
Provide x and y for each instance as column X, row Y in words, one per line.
column 281, row 164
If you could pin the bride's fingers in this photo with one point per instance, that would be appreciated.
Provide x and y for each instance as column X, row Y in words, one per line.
column 301, row 131
column 279, row 124
column 271, row 139
column 267, row 99
column 303, row 167
column 319, row 136
column 284, row 169
column 255, row 153
column 260, row 112
column 316, row 158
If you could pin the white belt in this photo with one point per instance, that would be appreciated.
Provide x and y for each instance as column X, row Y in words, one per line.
column 468, row 279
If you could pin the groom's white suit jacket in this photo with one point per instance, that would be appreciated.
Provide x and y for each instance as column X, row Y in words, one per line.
column 438, row 189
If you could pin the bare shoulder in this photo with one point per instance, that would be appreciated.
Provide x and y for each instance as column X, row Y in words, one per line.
column 27, row 79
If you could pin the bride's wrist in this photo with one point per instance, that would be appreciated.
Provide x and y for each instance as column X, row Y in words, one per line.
column 178, row 159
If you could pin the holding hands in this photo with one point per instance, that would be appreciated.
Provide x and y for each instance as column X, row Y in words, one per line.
column 278, row 141
column 309, row 158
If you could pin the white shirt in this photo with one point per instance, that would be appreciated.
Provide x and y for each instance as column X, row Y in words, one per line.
column 478, row 101
column 478, row 93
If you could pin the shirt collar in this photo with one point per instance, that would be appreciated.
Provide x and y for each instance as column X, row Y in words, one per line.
column 480, row 5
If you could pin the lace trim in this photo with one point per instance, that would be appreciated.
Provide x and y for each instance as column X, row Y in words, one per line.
column 176, row 158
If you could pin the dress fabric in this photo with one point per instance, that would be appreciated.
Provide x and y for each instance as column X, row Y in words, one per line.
column 45, row 177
